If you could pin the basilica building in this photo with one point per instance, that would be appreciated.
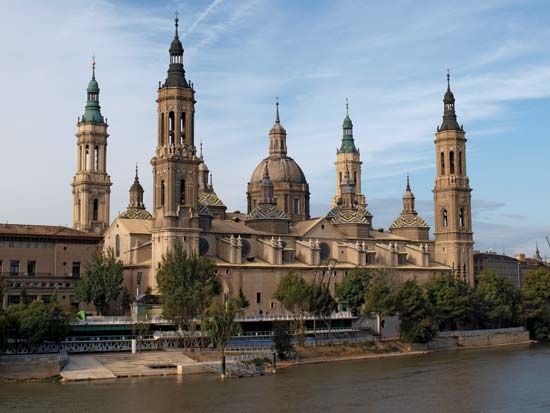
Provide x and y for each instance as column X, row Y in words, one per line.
column 277, row 234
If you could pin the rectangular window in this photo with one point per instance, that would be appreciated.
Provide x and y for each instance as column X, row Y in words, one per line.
column 14, row 267
column 258, row 298
column 31, row 268
column 76, row 269
column 273, row 304
column 296, row 205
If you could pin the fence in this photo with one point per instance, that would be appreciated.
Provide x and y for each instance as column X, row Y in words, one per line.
column 474, row 333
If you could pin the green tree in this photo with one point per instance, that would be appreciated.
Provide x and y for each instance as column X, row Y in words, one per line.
column 125, row 300
column 188, row 285
column 451, row 301
column 353, row 289
column 535, row 293
column 294, row 292
column 282, row 340
column 321, row 303
column 101, row 283
column 498, row 298
column 242, row 300
column 58, row 322
column 414, row 313
column 220, row 324
column 4, row 328
column 380, row 298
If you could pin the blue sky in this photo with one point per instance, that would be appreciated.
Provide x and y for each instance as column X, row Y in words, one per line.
column 389, row 58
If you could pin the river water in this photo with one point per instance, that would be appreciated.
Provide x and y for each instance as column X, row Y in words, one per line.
column 505, row 379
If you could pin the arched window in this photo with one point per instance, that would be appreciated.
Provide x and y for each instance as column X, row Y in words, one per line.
column 296, row 205
column 171, row 128
column 117, row 245
column 162, row 194
column 161, row 143
column 95, row 215
column 182, row 191
column 96, row 158
column 451, row 163
column 182, row 128
column 87, row 158
column 445, row 218
column 442, row 163
column 460, row 162
column 461, row 217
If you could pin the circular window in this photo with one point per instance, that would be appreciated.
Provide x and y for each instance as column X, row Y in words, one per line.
column 325, row 250
column 246, row 248
column 203, row 246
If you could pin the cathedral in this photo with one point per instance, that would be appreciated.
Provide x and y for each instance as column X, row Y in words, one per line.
column 277, row 234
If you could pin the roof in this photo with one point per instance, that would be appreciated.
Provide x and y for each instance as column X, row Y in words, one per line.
column 46, row 231
column 268, row 211
column 136, row 225
column 357, row 215
column 409, row 221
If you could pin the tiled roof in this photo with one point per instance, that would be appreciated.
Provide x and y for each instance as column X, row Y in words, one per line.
column 50, row 231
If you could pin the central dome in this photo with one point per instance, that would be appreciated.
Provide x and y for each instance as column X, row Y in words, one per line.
column 281, row 169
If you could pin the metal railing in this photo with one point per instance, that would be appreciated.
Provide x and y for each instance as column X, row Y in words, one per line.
column 473, row 333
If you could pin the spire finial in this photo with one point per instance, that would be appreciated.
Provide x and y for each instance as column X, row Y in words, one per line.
column 93, row 67
column 211, row 186
column 408, row 183
column 177, row 23
column 448, row 79
column 201, row 150
column 137, row 171
column 347, row 107
column 277, row 119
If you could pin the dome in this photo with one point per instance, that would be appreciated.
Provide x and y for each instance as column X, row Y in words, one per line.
column 93, row 86
column 281, row 169
column 136, row 187
column 176, row 48
column 347, row 123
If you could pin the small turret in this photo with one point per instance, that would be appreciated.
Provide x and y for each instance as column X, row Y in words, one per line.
column 176, row 72
column 92, row 112
column 449, row 114
column 277, row 135
column 348, row 144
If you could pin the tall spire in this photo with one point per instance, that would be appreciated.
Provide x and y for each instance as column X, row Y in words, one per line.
column 449, row 114
column 136, row 193
column 348, row 144
column 92, row 111
column 408, row 199
column 277, row 119
column 176, row 73
column 408, row 189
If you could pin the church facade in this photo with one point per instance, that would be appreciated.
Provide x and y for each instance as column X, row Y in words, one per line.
column 254, row 250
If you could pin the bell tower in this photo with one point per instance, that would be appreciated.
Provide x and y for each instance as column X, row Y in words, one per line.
column 348, row 160
column 91, row 183
column 175, row 164
column 452, row 195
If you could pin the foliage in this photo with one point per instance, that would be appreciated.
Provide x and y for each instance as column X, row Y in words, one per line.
column 535, row 294
column 379, row 297
column 242, row 300
column 220, row 323
column 497, row 300
column 282, row 341
column 321, row 303
column 451, row 301
column 414, row 313
column 101, row 281
column 353, row 289
column 294, row 293
column 188, row 285
column 4, row 327
column 125, row 300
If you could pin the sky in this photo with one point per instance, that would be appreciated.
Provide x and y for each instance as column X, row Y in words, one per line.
column 389, row 58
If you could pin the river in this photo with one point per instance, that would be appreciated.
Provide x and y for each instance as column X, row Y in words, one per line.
column 504, row 379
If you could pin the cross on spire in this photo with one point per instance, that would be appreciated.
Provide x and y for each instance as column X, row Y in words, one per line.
column 93, row 67
column 347, row 107
column 277, row 119
column 177, row 21
column 448, row 79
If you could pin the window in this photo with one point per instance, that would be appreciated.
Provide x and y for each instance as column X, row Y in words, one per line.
column 460, row 162
column 451, row 163
column 340, row 175
column 402, row 259
column 182, row 128
column 355, row 176
column 162, row 193
column 161, row 141
column 258, row 298
column 445, row 218
column 171, row 128
column 296, row 205
column 461, row 217
column 442, row 163
column 76, row 269
column 117, row 245
column 96, row 158
column 273, row 305
column 182, row 191
column 96, row 210
column 87, row 158
column 139, row 277
column 14, row 267
column 31, row 267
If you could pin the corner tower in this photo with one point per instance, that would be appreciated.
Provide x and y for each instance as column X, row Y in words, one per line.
column 91, row 183
column 348, row 160
column 175, row 164
column 452, row 195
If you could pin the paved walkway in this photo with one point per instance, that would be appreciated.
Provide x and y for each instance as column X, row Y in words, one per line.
column 85, row 367
column 149, row 363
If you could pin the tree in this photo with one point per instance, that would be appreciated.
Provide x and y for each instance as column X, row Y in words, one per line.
column 321, row 303
column 282, row 341
column 451, row 301
column 535, row 293
column 125, row 300
column 379, row 298
column 58, row 322
column 101, row 283
column 187, row 285
column 4, row 328
column 498, row 298
column 294, row 292
column 242, row 300
column 353, row 288
column 414, row 313
column 220, row 323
